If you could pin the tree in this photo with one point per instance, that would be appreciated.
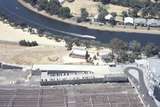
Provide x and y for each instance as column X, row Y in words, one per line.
column 53, row 6
column 150, row 50
column 133, row 12
column 122, row 57
column 119, row 47
column 42, row 4
column 114, row 14
column 69, row 45
column 116, row 45
column 135, row 46
column 144, row 12
column 33, row 2
column 105, row 1
column 64, row 12
column 84, row 14
column 87, row 56
column 102, row 13
column 124, row 14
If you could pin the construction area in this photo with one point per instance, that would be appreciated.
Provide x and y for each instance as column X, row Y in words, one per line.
column 89, row 95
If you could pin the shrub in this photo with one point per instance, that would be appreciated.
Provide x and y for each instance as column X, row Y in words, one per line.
column 27, row 43
column 64, row 12
column 22, row 43
column 79, row 20
column 34, row 43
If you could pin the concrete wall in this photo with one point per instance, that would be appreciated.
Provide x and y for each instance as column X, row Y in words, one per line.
column 10, row 66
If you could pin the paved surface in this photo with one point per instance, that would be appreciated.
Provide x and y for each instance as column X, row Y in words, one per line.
column 142, row 89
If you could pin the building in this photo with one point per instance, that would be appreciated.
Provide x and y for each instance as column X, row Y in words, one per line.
column 153, row 22
column 128, row 20
column 140, row 21
column 76, row 74
column 108, row 17
column 78, row 52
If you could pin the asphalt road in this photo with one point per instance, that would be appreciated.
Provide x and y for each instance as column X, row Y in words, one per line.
column 142, row 89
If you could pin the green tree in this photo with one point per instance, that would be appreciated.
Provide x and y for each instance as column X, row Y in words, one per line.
column 144, row 12
column 135, row 46
column 114, row 14
column 116, row 45
column 64, row 12
column 53, row 7
column 133, row 12
column 102, row 12
column 84, row 14
column 105, row 1
column 69, row 45
column 150, row 50
column 124, row 14
column 42, row 4
column 119, row 47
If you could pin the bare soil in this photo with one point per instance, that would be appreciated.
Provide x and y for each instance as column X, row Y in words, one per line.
column 13, row 53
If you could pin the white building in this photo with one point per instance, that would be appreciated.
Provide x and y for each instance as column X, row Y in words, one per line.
column 128, row 20
column 153, row 22
column 108, row 17
column 78, row 52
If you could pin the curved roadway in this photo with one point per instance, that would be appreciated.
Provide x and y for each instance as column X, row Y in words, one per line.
column 18, row 13
column 142, row 89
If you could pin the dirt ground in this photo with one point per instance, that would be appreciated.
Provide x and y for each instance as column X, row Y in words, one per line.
column 92, row 7
column 13, row 53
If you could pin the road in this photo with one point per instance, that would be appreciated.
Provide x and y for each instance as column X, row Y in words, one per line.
column 142, row 89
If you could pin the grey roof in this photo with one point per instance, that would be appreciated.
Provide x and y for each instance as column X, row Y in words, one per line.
column 153, row 22
column 140, row 21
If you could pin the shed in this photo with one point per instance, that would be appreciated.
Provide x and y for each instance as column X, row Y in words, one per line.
column 128, row 20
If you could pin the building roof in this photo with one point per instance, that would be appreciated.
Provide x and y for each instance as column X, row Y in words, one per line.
column 79, row 51
column 61, row 1
column 140, row 21
column 153, row 22
column 108, row 17
column 99, row 71
column 128, row 20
